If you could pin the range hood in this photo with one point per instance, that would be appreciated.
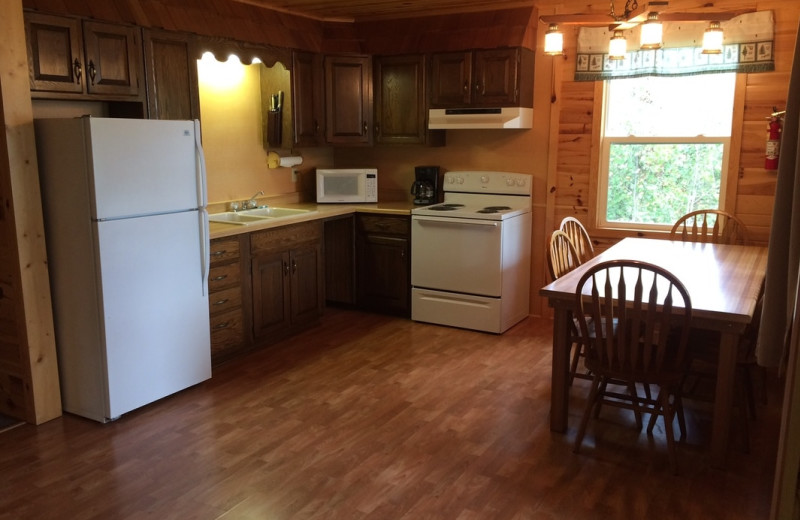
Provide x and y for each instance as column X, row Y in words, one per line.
column 476, row 118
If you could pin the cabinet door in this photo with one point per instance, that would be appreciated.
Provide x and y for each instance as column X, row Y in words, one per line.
column 383, row 273
column 307, row 95
column 340, row 260
column 348, row 99
column 400, row 110
column 55, row 57
column 306, row 283
column 271, row 296
column 112, row 58
column 496, row 76
column 451, row 77
column 171, row 76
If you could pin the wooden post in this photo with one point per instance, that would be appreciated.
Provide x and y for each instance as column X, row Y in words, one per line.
column 29, row 386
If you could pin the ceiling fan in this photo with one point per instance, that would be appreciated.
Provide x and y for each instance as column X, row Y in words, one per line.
column 635, row 14
column 650, row 15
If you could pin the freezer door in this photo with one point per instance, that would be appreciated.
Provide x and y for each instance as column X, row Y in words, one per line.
column 155, row 308
column 142, row 166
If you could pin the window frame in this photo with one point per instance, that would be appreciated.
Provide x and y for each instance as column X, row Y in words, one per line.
column 600, row 157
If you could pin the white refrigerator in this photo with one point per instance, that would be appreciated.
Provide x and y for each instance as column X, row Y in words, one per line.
column 126, row 228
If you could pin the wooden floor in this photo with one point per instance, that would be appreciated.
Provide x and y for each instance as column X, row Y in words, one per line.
column 372, row 417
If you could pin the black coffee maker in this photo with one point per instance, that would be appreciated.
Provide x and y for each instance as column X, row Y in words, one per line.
column 426, row 185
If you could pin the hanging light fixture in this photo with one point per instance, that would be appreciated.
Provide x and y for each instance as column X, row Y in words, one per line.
column 617, row 46
column 712, row 39
column 553, row 41
column 651, row 32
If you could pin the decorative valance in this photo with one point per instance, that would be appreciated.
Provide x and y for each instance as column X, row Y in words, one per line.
column 747, row 47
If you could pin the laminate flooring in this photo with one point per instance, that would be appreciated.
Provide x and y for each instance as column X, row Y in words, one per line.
column 374, row 417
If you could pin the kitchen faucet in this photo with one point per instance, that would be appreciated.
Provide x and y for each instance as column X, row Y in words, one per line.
column 251, row 202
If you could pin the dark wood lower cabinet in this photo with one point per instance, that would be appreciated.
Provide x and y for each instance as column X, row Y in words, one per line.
column 383, row 263
column 287, row 279
column 340, row 261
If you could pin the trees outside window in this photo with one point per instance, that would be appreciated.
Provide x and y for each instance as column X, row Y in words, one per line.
column 665, row 143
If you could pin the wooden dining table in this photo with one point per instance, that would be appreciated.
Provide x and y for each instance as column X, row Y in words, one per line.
column 723, row 281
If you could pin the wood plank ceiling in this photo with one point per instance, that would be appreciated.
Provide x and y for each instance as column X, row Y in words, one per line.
column 369, row 10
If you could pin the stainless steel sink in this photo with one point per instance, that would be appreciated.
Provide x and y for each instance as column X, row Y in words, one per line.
column 271, row 212
column 254, row 216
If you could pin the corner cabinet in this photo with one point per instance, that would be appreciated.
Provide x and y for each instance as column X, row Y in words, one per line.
column 383, row 263
column 400, row 107
column 348, row 100
column 171, row 75
column 287, row 279
column 482, row 78
column 82, row 58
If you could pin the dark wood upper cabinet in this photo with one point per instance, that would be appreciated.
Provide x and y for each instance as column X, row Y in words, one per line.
column 348, row 100
column 89, row 58
column 171, row 75
column 451, row 77
column 482, row 78
column 307, row 93
column 400, row 105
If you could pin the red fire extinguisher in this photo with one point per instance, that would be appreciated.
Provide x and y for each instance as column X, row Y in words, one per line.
column 773, row 141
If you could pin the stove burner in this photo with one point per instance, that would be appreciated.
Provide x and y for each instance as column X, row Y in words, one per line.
column 493, row 209
column 446, row 207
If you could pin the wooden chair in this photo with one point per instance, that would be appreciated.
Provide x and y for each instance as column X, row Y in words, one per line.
column 579, row 236
column 562, row 257
column 710, row 226
column 644, row 312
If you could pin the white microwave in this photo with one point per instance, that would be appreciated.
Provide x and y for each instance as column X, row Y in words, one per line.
column 347, row 185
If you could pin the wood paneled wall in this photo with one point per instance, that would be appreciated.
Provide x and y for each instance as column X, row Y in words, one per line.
column 577, row 107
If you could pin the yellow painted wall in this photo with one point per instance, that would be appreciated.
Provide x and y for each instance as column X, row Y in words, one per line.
column 236, row 160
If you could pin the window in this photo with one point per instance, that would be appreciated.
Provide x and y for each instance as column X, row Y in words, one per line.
column 664, row 148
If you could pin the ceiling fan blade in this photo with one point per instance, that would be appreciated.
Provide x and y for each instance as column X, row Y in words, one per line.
column 719, row 16
column 577, row 19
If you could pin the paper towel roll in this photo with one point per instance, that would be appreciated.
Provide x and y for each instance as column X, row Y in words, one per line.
column 291, row 161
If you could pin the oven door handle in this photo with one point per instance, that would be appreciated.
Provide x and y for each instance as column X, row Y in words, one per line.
column 456, row 221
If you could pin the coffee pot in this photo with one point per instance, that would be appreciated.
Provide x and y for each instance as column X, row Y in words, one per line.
column 426, row 186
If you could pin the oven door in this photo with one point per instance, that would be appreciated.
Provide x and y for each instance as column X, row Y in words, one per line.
column 457, row 254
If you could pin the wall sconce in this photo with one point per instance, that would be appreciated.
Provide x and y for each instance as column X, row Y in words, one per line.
column 553, row 41
column 617, row 46
column 651, row 32
column 712, row 39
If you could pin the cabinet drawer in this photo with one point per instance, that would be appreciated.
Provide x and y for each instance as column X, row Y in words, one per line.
column 223, row 276
column 224, row 300
column 222, row 250
column 227, row 332
column 285, row 237
column 384, row 225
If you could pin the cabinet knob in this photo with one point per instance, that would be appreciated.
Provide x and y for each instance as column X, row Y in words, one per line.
column 221, row 302
column 221, row 325
column 285, row 268
column 364, row 127
column 219, row 253
column 466, row 87
column 294, row 266
column 77, row 70
column 220, row 277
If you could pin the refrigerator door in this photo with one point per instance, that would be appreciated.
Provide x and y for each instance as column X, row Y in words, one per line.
column 155, row 308
column 143, row 167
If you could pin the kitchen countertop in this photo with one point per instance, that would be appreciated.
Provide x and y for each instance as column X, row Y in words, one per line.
column 323, row 211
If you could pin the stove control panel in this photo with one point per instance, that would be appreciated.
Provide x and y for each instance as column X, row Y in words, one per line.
column 487, row 182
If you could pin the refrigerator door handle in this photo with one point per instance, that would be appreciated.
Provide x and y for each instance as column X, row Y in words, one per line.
column 202, row 200
column 205, row 248
column 202, row 195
